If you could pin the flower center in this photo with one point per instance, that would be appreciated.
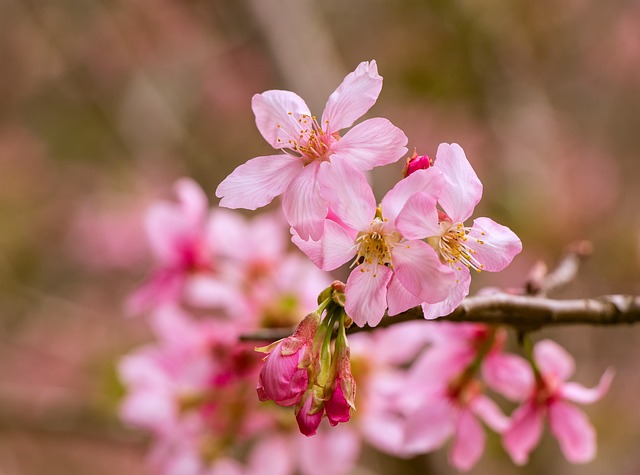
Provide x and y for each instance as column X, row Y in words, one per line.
column 374, row 246
column 453, row 247
column 310, row 142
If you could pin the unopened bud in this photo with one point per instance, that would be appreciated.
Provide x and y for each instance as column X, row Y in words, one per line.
column 414, row 163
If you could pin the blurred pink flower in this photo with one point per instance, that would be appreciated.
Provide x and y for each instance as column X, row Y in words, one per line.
column 392, row 270
column 486, row 245
column 446, row 397
column 177, row 236
column 546, row 394
column 311, row 148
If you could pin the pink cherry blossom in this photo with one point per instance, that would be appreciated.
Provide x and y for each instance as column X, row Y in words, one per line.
column 178, row 240
column 546, row 394
column 391, row 270
column 446, row 398
column 486, row 245
column 285, row 122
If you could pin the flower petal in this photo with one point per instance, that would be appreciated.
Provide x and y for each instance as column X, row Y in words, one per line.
column 524, row 433
column 303, row 205
column 463, row 189
column 458, row 292
column 353, row 98
column 419, row 270
column 349, row 195
column 400, row 344
column 277, row 113
column 495, row 245
column 419, row 217
column 372, row 143
column 193, row 200
column 429, row 427
column 468, row 442
column 578, row 393
column 553, row 360
column 508, row 374
column 366, row 294
column 400, row 299
column 255, row 183
column 343, row 443
column 487, row 410
column 427, row 181
column 574, row 432
column 271, row 456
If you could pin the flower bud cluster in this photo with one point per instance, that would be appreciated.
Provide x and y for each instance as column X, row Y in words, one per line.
column 306, row 371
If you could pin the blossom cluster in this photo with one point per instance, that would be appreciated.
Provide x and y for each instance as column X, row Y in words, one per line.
column 219, row 276
column 413, row 249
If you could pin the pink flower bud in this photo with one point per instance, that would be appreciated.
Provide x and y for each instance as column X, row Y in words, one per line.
column 284, row 377
column 338, row 406
column 281, row 380
column 414, row 163
column 309, row 415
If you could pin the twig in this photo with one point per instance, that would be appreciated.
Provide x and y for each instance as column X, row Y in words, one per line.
column 524, row 313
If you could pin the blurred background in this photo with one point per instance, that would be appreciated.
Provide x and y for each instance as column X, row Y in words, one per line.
column 105, row 103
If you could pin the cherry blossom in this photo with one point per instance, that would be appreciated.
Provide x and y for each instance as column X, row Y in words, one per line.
column 445, row 398
column 391, row 270
column 545, row 393
column 177, row 235
column 486, row 245
column 311, row 147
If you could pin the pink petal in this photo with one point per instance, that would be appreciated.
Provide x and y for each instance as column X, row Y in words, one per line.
column 193, row 200
column 426, row 181
column 419, row 270
column 419, row 217
column 384, row 431
column 372, row 143
column 463, row 189
column 167, row 229
column 366, row 294
column 495, row 245
column 255, row 183
column 312, row 249
column 343, row 443
column 429, row 428
column 308, row 423
column 400, row 299
column 303, row 205
column 271, row 456
column 468, row 442
column 348, row 193
column 553, row 360
column 508, row 374
column 441, row 363
column 400, row 344
column 574, row 432
column 338, row 245
column 353, row 98
column 458, row 292
column 163, row 287
column 271, row 109
column 578, row 393
column 224, row 230
column 487, row 410
column 524, row 433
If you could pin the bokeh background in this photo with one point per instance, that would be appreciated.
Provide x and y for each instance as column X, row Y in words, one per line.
column 105, row 103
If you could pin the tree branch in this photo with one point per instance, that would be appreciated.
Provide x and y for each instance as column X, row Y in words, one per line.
column 524, row 313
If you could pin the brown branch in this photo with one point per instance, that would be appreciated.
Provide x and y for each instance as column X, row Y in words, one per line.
column 524, row 313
